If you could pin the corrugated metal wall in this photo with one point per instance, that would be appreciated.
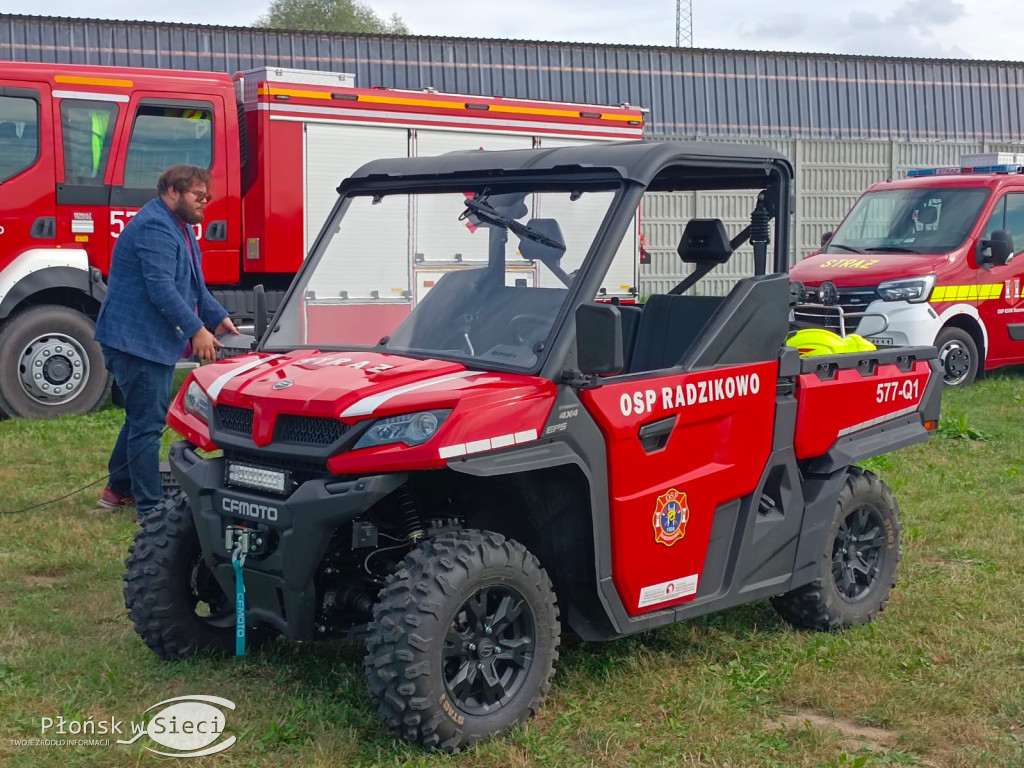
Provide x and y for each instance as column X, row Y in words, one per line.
column 844, row 121
column 690, row 92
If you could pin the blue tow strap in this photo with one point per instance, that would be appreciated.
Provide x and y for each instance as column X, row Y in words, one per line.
column 237, row 561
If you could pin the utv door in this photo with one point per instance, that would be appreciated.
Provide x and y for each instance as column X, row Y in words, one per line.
column 690, row 427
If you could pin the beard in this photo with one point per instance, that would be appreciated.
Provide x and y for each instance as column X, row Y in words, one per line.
column 186, row 213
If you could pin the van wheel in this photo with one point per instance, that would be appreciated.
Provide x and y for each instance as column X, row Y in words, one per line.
column 50, row 365
column 958, row 356
column 463, row 641
column 857, row 569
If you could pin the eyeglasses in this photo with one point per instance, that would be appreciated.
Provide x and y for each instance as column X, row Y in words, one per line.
column 201, row 197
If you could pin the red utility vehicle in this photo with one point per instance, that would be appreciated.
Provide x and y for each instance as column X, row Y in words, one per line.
column 510, row 458
column 931, row 259
column 81, row 149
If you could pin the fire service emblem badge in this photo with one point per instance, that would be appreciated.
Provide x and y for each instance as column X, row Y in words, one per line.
column 670, row 517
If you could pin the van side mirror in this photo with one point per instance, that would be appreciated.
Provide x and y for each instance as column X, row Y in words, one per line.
column 997, row 250
column 599, row 339
column 825, row 237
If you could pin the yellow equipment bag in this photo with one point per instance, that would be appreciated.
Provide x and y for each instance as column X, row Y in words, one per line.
column 819, row 341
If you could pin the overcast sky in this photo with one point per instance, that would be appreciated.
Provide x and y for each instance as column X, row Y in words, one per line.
column 971, row 29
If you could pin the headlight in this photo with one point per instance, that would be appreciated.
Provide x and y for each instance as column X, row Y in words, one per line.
column 410, row 428
column 912, row 289
column 197, row 403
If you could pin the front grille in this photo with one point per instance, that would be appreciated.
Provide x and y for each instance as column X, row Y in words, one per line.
column 851, row 300
column 231, row 418
column 308, row 430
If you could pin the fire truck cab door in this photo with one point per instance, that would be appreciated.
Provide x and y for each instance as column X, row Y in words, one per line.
column 87, row 137
column 681, row 445
column 26, row 170
column 1004, row 317
column 160, row 132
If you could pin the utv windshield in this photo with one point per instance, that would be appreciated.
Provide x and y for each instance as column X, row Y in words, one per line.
column 480, row 275
column 911, row 220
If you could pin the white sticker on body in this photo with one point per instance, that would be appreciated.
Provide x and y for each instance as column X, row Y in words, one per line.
column 668, row 590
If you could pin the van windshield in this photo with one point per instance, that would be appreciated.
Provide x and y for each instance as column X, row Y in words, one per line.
column 477, row 276
column 911, row 220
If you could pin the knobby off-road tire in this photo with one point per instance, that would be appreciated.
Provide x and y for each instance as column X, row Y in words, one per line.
column 857, row 569
column 50, row 365
column 463, row 641
column 166, row 581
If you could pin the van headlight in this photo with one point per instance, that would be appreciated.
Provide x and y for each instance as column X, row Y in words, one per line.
column 197, row 403
column 410, row 428
column 912, row 289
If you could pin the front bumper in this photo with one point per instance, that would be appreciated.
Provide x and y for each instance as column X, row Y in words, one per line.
column 910, row 325
column 279, row 586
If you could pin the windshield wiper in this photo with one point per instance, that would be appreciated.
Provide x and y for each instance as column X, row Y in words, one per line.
column 845, row 247
column 891, row 249
column 485, row 212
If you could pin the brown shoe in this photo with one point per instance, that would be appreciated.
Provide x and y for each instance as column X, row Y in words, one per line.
column 109, row 499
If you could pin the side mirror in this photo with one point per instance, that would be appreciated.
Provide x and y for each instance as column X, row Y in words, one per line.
column 999, row 248
column 825, row 237
column 599, row 339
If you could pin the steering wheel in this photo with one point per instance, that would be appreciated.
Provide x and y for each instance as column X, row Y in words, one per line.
column 523, row 324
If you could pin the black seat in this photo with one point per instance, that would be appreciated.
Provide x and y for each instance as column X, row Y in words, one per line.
column 668, row 326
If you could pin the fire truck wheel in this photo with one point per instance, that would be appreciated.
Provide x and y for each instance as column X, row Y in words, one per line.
column 958, row 356
column 857, row 570
column 175, row 603
column 50, row 365
column 463, row 641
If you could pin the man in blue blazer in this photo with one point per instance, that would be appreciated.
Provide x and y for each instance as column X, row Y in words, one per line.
column 157, row 305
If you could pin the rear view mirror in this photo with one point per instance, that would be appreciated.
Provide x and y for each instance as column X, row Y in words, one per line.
column 599, row 339
column 997, row 250
column 826, row 236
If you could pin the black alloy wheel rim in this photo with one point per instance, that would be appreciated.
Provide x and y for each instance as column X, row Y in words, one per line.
column 205, row 589
column 858, row 553
column 956, row 362
column 488, row 650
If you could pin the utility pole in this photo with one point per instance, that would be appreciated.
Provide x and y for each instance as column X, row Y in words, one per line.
column 684, row 23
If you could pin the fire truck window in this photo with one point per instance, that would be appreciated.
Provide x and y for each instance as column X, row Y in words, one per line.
column 164, row 136
column 88, row 129
column 19, row 135
column 1009, row 215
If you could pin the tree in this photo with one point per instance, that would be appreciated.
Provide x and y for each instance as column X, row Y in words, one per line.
column 329, row 16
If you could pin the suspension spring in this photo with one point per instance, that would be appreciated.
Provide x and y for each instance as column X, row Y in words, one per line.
column 410, row 515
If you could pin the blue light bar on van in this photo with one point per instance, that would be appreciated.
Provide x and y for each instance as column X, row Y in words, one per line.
column 967, row 169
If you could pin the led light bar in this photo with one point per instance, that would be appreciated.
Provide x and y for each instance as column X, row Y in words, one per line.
column 274, row 480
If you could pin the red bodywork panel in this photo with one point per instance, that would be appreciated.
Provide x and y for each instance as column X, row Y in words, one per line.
column 830, row 409
column 489, row 410
column 715, row 453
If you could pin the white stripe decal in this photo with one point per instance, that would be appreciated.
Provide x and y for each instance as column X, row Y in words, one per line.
column 491, row 444
column 368, row 405
column 90, row 96
column 879, row 420
column 224, row 378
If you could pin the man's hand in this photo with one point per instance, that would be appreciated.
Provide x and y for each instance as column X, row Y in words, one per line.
column 226, row 326
column 205, row 345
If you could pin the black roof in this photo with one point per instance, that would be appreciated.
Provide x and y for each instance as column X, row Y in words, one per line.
column 702, row 165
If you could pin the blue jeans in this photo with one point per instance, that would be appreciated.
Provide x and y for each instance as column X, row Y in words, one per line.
column 135, row 461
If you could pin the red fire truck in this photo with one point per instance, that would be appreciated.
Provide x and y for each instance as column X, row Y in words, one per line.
column 929, row 260
column 81, row 149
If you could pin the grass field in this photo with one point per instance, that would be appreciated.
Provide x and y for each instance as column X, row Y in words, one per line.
column 938, row 681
